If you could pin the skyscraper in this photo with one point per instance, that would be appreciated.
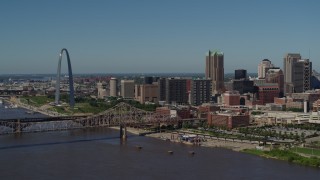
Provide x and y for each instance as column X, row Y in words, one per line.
column 102, row 90
column 262, row 68
column 147, row 93
column 162, row 89
column 113, row 87
column 127, row 88
column 200, row 91
column 307, row 73
column 173, row 91
column 215, row 71
column 240, row 74
column 147, row 80
column 297, row 73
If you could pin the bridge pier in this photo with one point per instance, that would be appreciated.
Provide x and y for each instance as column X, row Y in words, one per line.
column 123, row 132
column 18, row 128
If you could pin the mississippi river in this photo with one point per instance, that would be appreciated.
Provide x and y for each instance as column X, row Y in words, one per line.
column 98, row 153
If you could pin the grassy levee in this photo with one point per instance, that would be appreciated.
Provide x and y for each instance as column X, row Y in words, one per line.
column 308, row 151
column 286, row 155
column 79, row 108
column 253, row 151
column 84, row 105
column 36, row 100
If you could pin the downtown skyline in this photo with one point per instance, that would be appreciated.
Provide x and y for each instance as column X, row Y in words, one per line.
column 154, row 36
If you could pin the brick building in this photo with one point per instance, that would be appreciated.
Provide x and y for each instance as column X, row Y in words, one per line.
column 231, row 98
column 204, row 109
column 276, row 76
column 267, row 93
column 228, row 121
column 163, row 110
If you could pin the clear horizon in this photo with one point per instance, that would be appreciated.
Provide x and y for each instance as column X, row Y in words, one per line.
column 154, row 36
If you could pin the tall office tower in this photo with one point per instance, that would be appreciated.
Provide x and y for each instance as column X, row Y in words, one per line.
column 147, row 93
column 147, row 80
column 127, row 88
column 240, row 74
column 173, row 90
column 155, row 79
column 262, row 68
column 276, row 76
column 102, row 90
column 200, row 91
column 113, row 87
column 293, row 73
column 162, row 89
column 215, row 71
column 176, row 91
column 307, row 74
column 242, row 86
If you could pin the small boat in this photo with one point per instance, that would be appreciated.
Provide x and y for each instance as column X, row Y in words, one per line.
column 29, row 112
column 164, row 138
column 14, row 106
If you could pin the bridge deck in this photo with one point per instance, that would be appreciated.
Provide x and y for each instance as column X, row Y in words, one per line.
column 43, row 119
column 121, row 114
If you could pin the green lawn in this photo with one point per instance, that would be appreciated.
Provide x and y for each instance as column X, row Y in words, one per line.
column 308, row 151
column 286, row 155
column 79, row 108
column 253, row 151
column 37, row 100
column 83, row 105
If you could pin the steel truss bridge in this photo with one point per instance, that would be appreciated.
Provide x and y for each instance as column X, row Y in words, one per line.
column 122, row 115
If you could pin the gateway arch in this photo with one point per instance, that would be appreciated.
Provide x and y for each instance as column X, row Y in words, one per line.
column 57, row 97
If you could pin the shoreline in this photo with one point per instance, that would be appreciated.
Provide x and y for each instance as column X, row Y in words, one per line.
column 134, row 131
column 286, row 155
column 205, row 141
column 243, row 147
column 34, row 109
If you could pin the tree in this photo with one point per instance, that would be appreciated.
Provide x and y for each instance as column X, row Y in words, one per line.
column 296, row 136
column 187, row 125
column 291, row 136
column 280, row 134
column 285, row 135
column 302, row 137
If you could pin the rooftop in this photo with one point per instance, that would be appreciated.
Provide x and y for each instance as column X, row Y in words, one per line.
column 215, row 52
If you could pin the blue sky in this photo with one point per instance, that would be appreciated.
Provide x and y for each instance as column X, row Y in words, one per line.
column 154, row 35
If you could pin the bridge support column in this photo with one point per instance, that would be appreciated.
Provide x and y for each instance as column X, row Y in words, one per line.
column 123, row 132
column 18, row 128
